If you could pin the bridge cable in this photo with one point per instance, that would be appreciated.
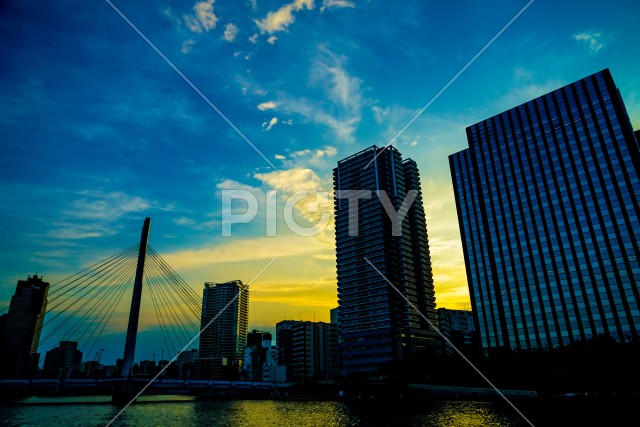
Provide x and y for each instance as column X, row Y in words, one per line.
column 160, row 312
column 116, row 269
column 120, row 264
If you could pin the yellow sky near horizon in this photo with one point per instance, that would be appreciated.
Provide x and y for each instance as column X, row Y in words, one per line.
column 301, row 283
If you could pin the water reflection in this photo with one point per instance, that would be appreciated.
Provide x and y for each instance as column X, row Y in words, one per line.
column 266, row 413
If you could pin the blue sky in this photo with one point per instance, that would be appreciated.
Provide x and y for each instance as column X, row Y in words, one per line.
column 97, row 131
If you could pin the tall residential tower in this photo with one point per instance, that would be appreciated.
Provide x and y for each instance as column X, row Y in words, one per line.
column 548, row 204
column 222, row 343
column 377, row 326
column 21, row 327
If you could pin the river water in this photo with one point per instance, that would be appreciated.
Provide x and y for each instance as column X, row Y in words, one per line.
column 185, row 411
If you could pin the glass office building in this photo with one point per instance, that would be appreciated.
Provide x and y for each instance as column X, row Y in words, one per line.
column 377, row 326
column 547, row 198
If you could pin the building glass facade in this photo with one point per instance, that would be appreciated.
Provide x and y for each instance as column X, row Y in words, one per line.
column 377, row 326
column 547, row 198
column 222, row 343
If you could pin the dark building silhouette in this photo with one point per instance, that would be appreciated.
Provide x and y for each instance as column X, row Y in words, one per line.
column 145, row 367
column 335, row 319
column 21, row 328
column 547, row 198
column 186, row 362
column 284, row 346
column 458, row 327
column 62, row 361
column 256, row 354
column 377, row 327
column 257, row 337
column 222, row 343
column 309, row 350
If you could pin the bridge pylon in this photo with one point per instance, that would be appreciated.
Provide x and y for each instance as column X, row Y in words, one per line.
column 134, row 315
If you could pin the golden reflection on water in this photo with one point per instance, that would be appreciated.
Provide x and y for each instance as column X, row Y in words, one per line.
column 468, row 414
column 267, row 413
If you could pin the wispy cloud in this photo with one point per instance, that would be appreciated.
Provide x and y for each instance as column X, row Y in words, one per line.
column 267, row 125
column 97, row 214
column 97, row 205
column 310, row 155
column 342, row 112
column 230, row 32
column 187, row 45
column 330, row 4
column 593, row 41
column 269, row 105
column 524, row 93
column 342, row 88
column 280, row 19
column 291, row 180
column 203, row 17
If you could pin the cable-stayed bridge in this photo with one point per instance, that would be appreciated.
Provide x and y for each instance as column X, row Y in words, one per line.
column 82, row 306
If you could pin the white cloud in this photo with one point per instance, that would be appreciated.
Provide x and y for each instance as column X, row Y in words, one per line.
column 291, row 180
column 342, row 88
column 230, row 184
column 254, row 38
column 520, row 94
column 342, row 114
column 379, row 113
column 280, row 19
column 184, row 221
column 105, row 206
column 269, row 105
column 317, row 203
column 230, row 32
column 592, row 41
column 267, row 125
column 186, row 45
column 343, row 126
column 272, row 39
column 328, row 4
column 96, row 214
column 280, row 157
column 254, row 5
column 288, row 122
column 308, row 156
column 316, row 154
column 203, row 17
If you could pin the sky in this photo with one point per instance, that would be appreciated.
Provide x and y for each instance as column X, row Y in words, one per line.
column 102, row 125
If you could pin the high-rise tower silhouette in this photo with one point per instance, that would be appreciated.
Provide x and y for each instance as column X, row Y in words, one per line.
column 21, row 327
column 548, row 204
column 377, row 326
